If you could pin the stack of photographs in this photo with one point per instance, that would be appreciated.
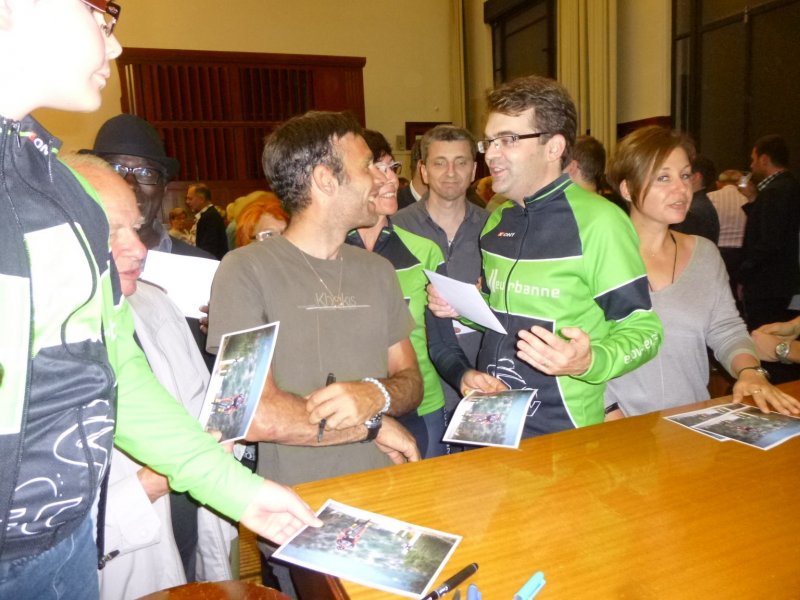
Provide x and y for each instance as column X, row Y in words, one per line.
column 740, row 423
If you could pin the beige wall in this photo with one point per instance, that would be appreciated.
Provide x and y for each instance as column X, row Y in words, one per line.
column 644, row 51
column 407, row 45
column 478, row 44
column 643, row 60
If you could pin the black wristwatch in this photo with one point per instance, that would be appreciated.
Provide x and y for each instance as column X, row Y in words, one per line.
column 373, row 427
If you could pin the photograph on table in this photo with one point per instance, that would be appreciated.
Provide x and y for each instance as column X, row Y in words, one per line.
column 695, row 417
column 371, row 549
column 742, row 423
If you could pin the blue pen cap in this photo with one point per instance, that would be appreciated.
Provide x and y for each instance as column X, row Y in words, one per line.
column 531, row 588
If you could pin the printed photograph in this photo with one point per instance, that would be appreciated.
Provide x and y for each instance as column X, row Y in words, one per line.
column 237, row 381
column 752, row 427
column 371, row 549
column 690, row 419
column 490, row 419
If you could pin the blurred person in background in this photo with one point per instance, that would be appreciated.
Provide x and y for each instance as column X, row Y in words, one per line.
column 260, row 219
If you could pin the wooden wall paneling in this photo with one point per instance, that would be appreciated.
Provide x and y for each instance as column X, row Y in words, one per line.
column 146, row 92
column 215, row 87
column 180, row 101
column 207, row 98
column 331, row 88
column 214, row 109
column 126, row 83
column 173, row 146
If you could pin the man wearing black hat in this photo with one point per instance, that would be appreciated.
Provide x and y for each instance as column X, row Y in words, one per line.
column 132, row 146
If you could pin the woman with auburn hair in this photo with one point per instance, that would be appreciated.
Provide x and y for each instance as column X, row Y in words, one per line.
column 688, row 287
column 260, row 219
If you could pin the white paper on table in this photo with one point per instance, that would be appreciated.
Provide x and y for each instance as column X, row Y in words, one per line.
column 185, row 279
column 466, row 300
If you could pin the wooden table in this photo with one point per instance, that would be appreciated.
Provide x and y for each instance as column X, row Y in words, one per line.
column 639, row 508
column 217, row 590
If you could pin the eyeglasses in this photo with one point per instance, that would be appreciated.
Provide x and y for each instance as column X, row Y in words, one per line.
column 111, row 11
column 507, row 141
column 143, row 175
column 395, row 167
column 263, row 235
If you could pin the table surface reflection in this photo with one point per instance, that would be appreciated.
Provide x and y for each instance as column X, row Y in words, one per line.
column 639, row 508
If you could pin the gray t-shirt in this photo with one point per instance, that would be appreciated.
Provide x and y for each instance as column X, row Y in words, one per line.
column 344, row 326
column 697, row 311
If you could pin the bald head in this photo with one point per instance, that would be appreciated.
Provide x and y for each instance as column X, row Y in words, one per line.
column 124, row 218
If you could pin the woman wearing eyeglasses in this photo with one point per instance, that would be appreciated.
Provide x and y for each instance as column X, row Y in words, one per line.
column 260, row 219
column 409, row 254
column 688, row 287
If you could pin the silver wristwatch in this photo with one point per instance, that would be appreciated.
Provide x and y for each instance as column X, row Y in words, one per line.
column 782, row 351
column 373, row 426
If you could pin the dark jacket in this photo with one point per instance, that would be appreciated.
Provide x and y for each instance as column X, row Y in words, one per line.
column 702, row 218
column 211, row 235
column 770, row 266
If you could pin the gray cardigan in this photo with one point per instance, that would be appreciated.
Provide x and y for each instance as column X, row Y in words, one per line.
column 697, row 311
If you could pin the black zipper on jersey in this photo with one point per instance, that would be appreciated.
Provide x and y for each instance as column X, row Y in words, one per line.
column 505, row 291
column 9, row 129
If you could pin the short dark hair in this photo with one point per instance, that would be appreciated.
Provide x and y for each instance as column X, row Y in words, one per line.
column 201, row 189
column 416, row 155
column 553, row 109
column 775, row 147
column 640, row 154
column 447, row 133
column 590, row 155
column 708, row 171
column 377, row 143
column 297, row 146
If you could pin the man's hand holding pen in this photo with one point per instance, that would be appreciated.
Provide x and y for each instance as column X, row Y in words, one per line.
column 345, row 404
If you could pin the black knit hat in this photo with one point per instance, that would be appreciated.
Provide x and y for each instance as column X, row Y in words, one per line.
column 128, row 134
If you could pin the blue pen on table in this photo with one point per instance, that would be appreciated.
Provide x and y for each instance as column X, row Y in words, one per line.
column 531, row 588
column 331, row 379
column 455, row 581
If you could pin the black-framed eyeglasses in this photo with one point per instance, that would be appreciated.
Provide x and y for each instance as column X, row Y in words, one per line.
column 394, row 167
column 143, row 175
column 507, row 141
column 111, row 11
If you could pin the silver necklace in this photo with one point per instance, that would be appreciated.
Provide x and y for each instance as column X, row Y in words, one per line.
column 337, row 298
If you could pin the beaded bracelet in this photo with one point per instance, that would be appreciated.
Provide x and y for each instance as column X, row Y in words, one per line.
column 383, row 390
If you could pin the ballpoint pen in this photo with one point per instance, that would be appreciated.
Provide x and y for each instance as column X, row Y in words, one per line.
column 331, row 379
column 453, row 582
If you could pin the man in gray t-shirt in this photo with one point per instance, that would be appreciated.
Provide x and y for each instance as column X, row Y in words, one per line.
column 342, row 314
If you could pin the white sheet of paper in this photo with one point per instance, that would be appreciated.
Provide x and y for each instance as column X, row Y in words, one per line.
column 466, row 300
column 185, row 279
